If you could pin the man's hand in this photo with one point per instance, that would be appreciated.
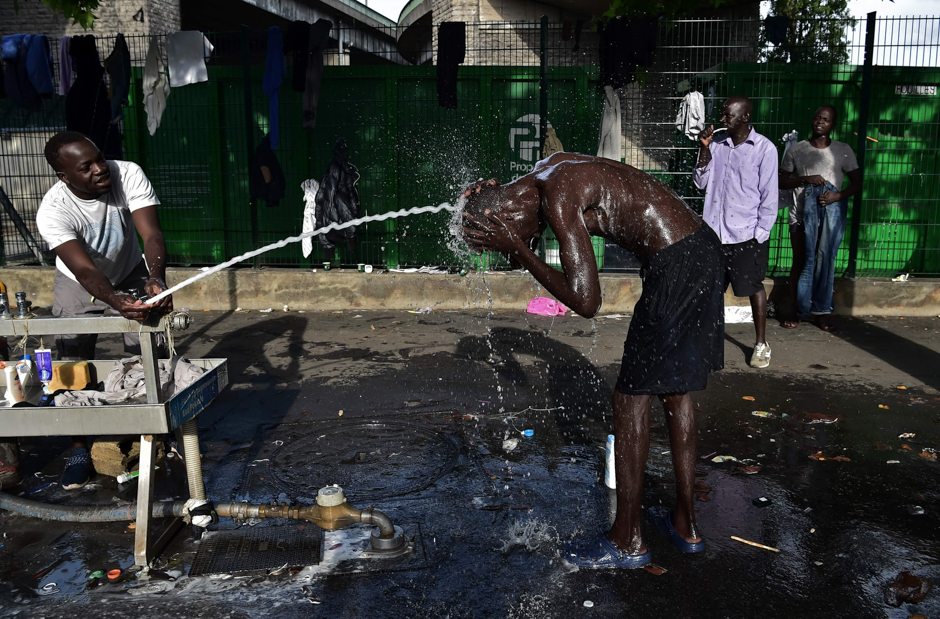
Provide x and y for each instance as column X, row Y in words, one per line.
column 129, row 307
column 829, row 197
column 153, row 287
column 706, row 135
column 813, row 180
column 478, row 185
column 491, row 234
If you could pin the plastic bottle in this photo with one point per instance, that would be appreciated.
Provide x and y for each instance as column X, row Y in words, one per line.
column 24, row 369
column 14, row 392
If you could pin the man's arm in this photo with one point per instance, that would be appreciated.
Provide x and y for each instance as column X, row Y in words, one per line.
column 147, row 223
column 702, row 170
column 96, row 284
column 578, row 286
column 767, row 187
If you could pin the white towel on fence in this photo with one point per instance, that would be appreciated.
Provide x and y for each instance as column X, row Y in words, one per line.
column 609, row 144
column 310, row 187
column 691, row 117
column 155, row 87
column 186, row 54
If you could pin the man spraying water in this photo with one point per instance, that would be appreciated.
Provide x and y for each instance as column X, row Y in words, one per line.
column 676, row 335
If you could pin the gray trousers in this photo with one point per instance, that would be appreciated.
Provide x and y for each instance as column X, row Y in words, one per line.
column 71, row 299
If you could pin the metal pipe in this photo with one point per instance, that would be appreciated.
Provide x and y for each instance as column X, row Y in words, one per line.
column 85, row 513
column 190, row 432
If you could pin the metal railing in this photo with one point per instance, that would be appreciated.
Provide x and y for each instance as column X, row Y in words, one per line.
column 518, row 79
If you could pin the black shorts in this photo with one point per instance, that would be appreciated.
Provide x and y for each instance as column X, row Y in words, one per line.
column 745, row 266
column 676, row 336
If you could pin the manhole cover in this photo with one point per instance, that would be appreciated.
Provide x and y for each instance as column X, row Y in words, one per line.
column 257, row 550
column 370, row 460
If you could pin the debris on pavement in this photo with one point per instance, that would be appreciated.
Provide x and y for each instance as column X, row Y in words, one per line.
column 906, row 588
column 819, row 456
column 751, row 469
column 763, row 414
column 907, row 435
column 655, row 570
column 884, row 407
column 754, row 544
column 701, row 490
column 720, row 459
column 927, row 454
column 588, row 604
column 749, row 398
column 812, row 418
column 915, row 510
column 761, row 502
column 893, row 462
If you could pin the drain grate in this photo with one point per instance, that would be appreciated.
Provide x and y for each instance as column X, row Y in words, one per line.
column 257, row 550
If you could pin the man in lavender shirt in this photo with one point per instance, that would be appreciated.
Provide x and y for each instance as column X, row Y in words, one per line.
column 738, row 171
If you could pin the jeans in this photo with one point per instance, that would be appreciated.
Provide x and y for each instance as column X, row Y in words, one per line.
column 823, row 227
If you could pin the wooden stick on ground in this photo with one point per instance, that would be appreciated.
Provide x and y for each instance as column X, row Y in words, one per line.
column 754, row 544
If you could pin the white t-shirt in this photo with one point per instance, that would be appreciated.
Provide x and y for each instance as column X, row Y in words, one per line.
column 104, row 225
column 831, row 163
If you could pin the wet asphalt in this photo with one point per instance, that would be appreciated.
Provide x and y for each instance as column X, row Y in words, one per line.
column 422, row 416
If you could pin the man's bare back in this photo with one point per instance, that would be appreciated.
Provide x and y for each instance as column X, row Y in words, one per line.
column 615, row 200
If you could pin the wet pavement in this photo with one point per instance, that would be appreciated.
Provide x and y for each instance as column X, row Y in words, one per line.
column 422, row 416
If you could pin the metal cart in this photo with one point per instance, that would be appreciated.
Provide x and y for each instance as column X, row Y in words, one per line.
column 157, row 416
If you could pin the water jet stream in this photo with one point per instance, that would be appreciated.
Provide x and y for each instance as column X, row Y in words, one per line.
column 444, row 206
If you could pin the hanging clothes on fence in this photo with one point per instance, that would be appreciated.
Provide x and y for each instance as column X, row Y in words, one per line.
column 319, row 39
column 273, row 78
column 552, row 144
column 451, row 50
column 310, row 187
column 87, row 108
column 777, row 28
column 265, row 177
column 118, row 65
column 186, row 54
column 28, row 64
column 297, row 42
column 691, row 117
column 338, row 200
column 65, row 65
column 155, row 86
column 609, row 145
column 623, row 44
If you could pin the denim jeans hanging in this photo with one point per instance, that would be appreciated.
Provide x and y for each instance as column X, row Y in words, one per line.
column 823, row 227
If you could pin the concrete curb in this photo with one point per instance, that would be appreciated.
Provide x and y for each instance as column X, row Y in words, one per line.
column 345, row 289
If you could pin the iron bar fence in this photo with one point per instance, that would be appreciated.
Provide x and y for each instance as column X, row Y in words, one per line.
column 519, row 81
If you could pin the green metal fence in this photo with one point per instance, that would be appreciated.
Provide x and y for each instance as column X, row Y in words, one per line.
column 519, row 78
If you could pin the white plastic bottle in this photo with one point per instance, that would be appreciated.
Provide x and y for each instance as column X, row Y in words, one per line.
column 14, row 392
column 24, row 369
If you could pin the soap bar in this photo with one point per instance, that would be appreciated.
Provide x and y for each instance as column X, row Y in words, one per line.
column 70, row 375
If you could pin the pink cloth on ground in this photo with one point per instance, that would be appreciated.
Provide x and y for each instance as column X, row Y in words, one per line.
column 546, row 307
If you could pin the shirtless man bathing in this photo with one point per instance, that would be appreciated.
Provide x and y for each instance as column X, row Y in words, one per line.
column 676, row 334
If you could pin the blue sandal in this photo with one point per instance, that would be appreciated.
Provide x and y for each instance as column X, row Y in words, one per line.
column 600, row 553
column 661, row 518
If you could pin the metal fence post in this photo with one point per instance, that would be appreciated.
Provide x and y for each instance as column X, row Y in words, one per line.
column 543, row 86
column 862, row 141
column 249, row 133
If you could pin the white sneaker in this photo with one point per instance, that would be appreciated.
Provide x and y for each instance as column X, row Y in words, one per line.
column 761, row 356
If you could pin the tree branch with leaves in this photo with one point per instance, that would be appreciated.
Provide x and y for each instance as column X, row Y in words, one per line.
column 81, row 12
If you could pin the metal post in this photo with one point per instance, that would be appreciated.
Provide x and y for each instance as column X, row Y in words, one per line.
column 144, row 501
column 862, row 141
column 249, row 132
column 543, row 87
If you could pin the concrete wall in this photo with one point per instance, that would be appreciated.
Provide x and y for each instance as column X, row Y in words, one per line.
column 345, row 290
column 125, row 16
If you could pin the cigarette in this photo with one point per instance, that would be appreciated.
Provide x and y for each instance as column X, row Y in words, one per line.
column 754, row 544
column 868, row 138
column 719, row 129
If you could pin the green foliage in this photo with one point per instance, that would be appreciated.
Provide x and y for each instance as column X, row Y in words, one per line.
column 817, row 32
column 79, row 11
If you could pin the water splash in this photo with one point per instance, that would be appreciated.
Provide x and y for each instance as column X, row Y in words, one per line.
column 444, row 206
